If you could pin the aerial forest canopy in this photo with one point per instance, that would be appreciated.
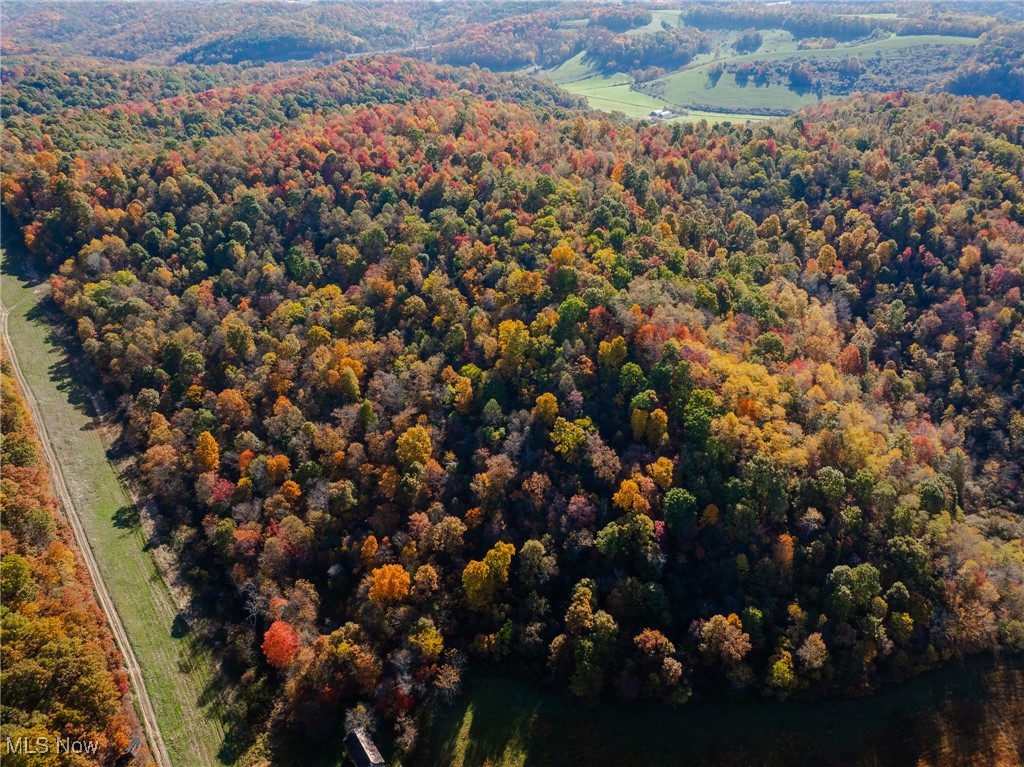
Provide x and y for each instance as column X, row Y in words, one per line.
column 429, row 369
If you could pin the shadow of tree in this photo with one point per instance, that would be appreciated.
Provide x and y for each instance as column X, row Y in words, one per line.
column 180, row 627
column 127, row 518
column 16, row 258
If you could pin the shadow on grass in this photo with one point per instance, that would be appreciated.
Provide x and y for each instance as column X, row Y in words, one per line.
column 127, row 518
column 63, row 375
column 180, row 627
column 498, row 722
column 970, row 713
column 241, row 716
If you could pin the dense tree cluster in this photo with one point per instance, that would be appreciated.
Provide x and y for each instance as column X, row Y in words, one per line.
column 41, row 86
column 651, row 407
column 275, row 40
column 547, row 38
column 996, row 65
column 164, row 30
column 231, row 109
column 62, row 676
column 427, row 367
column 621, row 18
column 537, row 38
column 915, row 69
column 673, row 47
column 748, row 41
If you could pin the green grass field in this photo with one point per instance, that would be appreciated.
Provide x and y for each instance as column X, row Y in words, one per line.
column 611, row 92
column 961, row 714
column 180, row 676
column 574, row 69
column 607, row 91
column 692, row 86
column 773, row 41
column 671, row 17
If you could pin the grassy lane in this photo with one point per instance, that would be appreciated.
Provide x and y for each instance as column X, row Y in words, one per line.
column 179, row 676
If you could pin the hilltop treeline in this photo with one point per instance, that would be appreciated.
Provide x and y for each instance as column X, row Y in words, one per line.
column 995, row 66
column 648, row 408
column 674, row 47
column 809, row 20
column 235, row 108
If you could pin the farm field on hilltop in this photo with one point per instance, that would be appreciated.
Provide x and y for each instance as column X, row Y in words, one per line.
column 696, row 92
column 695, row 85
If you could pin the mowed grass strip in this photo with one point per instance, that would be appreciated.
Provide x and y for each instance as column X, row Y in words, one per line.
column 177, row 672
column 572, row 69
column 607, row 91
column 612, row 93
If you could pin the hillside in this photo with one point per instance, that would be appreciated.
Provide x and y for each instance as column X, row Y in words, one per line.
column 706, row 406
column 434, row 376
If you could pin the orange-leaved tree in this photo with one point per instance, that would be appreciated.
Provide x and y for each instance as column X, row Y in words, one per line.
column 280, row 644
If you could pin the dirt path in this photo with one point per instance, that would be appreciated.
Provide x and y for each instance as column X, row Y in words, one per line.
column 145, row 706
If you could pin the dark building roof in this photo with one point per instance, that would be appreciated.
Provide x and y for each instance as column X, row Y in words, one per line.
column 361, row 750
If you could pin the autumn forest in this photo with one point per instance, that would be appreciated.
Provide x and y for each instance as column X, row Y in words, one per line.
column 425, row 372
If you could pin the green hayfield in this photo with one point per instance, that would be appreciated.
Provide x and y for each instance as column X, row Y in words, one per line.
column 607, row 91
column 773, row 41
column 572, row 70
column 672, row 17
column 179, row 674
column 692, row 85
column 781, row 45
column 612, row 94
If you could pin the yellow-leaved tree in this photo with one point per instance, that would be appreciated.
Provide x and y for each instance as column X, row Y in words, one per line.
column 415, row 446
column 207, row 453
column 389, row 583
column 482, row 580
